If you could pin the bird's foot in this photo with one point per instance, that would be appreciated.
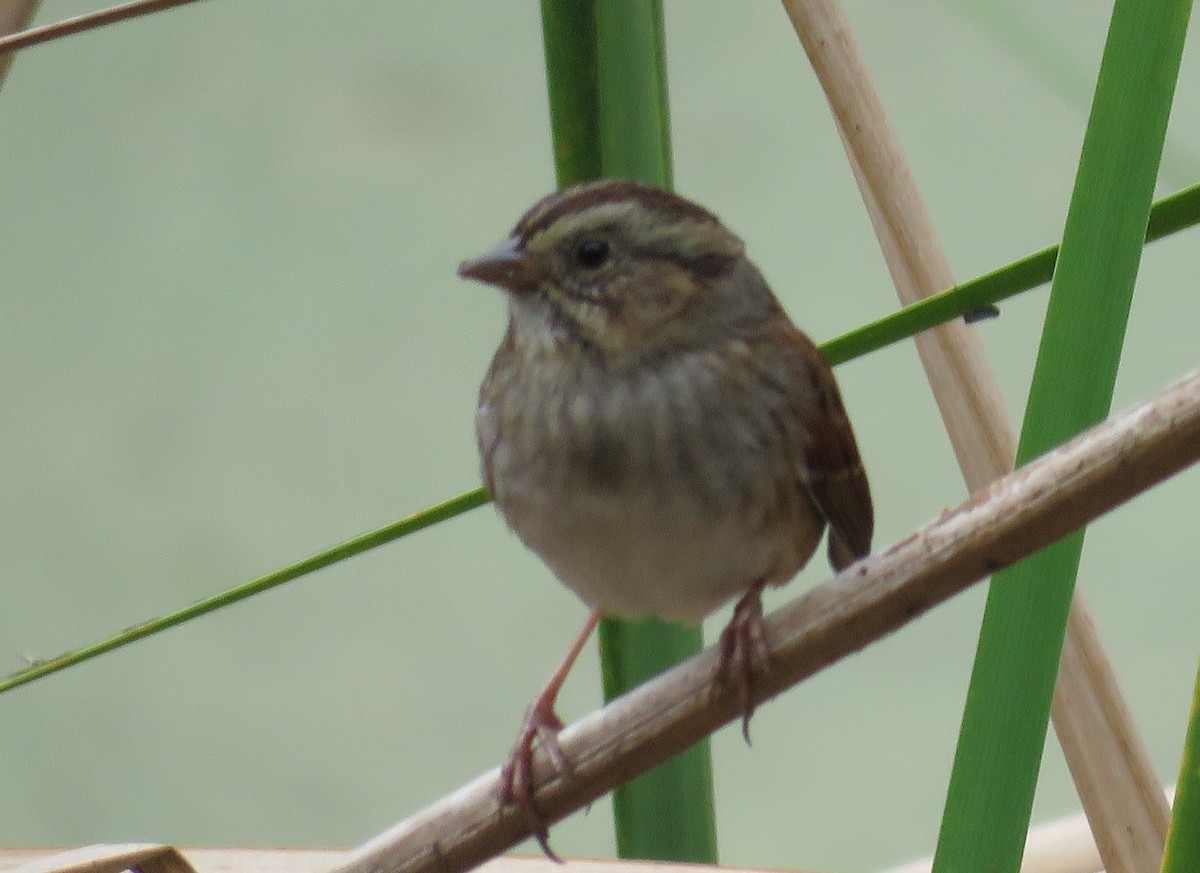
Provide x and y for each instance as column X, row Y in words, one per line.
column 541, row 726
column 744, row 652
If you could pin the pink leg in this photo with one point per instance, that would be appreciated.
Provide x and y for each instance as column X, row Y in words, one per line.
column 744, row 651
column 541, row 724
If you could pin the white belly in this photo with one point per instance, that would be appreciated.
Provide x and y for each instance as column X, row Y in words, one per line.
column 630, row 557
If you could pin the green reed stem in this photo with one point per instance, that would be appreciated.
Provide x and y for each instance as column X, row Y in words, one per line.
column 1008, row 704
column 1183, row 837
column 668, row 813
column 572, row 85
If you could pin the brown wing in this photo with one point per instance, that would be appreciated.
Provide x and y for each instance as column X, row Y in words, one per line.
column 832, row 469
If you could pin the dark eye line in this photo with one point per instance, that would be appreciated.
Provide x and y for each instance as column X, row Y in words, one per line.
column 702, row 266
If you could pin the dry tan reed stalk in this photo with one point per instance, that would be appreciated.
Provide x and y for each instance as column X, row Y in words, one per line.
column 1107, row 758
column 15, row 16
column 999, row 525
column 102, row 858
column 11, row 41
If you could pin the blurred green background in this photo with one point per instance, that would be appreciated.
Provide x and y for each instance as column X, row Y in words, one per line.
column 231, row 335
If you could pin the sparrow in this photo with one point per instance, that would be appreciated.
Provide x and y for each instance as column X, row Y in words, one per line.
column 657, row 430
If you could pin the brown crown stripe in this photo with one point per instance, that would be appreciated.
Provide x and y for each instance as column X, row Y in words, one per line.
column 582, row 197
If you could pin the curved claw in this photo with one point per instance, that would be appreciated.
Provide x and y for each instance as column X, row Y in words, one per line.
column 744, row 652
column 541, row 725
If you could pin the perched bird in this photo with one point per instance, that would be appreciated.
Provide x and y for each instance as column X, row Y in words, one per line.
column 656, row 429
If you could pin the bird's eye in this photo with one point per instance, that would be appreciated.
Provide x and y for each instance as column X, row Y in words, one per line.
column 592, row 253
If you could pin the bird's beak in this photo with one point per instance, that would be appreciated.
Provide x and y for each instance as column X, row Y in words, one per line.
column 506, row 266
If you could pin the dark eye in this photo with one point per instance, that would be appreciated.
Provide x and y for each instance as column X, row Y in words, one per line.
column 592, row 253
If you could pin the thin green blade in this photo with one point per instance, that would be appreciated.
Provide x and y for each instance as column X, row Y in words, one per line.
column 1008, row 704
column 1183, row 838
